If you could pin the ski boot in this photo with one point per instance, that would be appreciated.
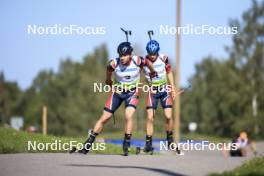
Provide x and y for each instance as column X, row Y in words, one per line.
column 148, row 146
column 126, row 144
column 88, row 143
column 170, row 141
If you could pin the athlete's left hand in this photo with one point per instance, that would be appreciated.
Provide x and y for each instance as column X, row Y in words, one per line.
column 173, row 93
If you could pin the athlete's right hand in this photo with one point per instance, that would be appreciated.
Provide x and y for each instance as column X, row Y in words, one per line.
column 109, row 82
column 153, row 74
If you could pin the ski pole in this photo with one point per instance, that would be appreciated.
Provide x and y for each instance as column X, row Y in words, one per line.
column 127, row 33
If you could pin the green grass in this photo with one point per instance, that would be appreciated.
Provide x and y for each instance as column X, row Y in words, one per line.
column 12, row 141
column 254, row 167
column 210, row 138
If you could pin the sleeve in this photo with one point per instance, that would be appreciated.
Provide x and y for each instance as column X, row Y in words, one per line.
column 138, row 60
column 111, row 65
column 167, row 64
column 144, row 61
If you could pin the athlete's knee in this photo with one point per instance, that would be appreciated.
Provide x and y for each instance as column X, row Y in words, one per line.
column 129, row 117
column 105, row 117
column 168, row 117
column 129, row 114
column 150, row 117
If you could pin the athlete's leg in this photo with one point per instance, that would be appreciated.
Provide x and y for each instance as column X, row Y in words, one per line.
column 100, row 123
column 168, row 119
column 166, row 103
column 129, row 112
column 150, row 121
column 131, row 102
column 152, row 104
column 112, row 103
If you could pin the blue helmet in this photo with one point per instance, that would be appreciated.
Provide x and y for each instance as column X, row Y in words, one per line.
column 152, row 47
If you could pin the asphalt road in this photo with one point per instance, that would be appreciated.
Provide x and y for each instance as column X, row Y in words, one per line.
column 61, row 164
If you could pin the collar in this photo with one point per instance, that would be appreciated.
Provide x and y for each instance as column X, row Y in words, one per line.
column 151, row 59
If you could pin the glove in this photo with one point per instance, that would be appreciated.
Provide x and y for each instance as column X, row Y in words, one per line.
column 109, row 82
column 153, row 74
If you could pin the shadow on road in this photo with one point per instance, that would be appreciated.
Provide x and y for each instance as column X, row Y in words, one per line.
column 160, row 171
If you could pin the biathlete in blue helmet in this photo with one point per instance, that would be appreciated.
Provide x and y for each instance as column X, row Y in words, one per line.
column 162, row 90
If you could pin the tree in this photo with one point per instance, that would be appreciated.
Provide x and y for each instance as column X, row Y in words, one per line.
column 227, row 95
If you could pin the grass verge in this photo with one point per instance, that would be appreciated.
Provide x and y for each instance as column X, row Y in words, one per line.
column 12, row 141
column 254, row 167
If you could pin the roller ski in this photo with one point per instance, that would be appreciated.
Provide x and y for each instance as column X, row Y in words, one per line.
column 144, row 151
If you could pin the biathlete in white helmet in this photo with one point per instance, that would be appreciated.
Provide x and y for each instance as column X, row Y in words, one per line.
column 126, row 69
